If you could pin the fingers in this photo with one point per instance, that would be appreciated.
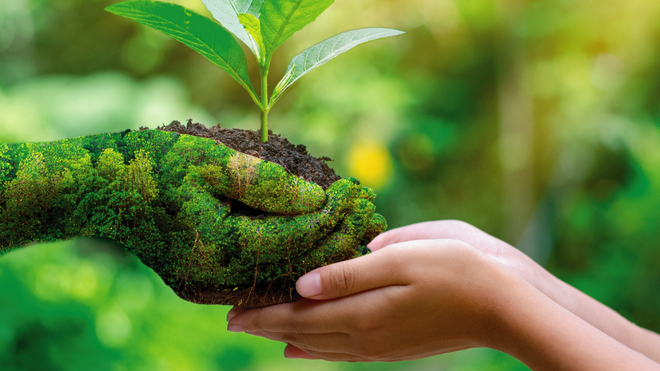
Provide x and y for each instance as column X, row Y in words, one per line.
column 341, row 243
column 377, row 225
column 301, row 243
column 334, row 342
column 298, row 351
column 200, row 207
column 345, row 315
column 304, row 316
column 273, row 189
column 235, row 311
column 418, row 231
column 353, row 276
column 340, row 192
column 368, row 194
column 262, row 185
column 293, row 352
column 441, row 229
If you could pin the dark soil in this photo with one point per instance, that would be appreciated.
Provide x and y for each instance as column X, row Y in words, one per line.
column 295, row 159
column 252, row 297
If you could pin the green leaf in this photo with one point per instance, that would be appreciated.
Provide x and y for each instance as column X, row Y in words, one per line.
column 199, row 33
column 282, row 18
column 226, row 12
column 325, row 51
column 253, row 27
column 248, row 7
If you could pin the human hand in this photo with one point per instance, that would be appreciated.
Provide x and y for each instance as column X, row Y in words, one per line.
column 507, row 255
column 573, row 300
column 407, row 301
column 420, row 298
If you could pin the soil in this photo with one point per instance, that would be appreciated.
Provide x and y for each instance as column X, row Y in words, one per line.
column 294, row 158
column 251, row 297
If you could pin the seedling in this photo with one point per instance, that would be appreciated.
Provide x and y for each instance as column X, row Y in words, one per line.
column 262, row 25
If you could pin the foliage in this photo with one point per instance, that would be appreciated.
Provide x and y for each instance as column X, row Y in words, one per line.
column 262, row 25
column 419, row 121
column 168, row 199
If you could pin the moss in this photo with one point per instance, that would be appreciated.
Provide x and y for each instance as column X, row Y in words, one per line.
column 168, row 199
column 6, row 168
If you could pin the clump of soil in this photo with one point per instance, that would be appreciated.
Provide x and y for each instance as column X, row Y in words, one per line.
column 295, row 159
column 277, row 292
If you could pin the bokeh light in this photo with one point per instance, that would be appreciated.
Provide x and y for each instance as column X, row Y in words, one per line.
column 536, row 121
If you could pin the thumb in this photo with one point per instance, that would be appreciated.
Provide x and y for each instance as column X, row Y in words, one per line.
column 345, row 278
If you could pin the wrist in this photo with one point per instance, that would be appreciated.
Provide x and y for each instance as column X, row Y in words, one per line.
column 502, row 292
column 596, row 314
column 502, row 308
column 531, row 327
column 528, row 325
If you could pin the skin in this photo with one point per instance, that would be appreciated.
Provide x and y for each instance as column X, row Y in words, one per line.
column 575, row 301
column 169, row 199
column 439, row 287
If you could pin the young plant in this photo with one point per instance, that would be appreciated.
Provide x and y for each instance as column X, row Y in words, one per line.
column 262, row 25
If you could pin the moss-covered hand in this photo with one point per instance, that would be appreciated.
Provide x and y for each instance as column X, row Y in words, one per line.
column 217, row 225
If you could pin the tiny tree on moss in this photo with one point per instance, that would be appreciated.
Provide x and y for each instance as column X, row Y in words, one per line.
column 263, row 25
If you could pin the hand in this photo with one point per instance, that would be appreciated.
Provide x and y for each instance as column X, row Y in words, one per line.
column 407, row 301
column 262, row 255
column 420, row 298
column 216, row 225
column 372, row 316
column 575, row 301
column 492, row 247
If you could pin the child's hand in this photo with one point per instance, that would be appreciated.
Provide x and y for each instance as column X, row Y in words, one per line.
column 409, row 300
column 419, row 298
column 583, row 306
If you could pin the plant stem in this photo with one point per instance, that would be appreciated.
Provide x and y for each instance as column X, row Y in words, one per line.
column 264, row 105
column 264, row 126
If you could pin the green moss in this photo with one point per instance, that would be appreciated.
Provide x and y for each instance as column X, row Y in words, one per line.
column 6, row 167
column 168, row 199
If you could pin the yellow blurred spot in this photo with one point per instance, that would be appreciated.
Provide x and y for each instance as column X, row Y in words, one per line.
column 370, row 162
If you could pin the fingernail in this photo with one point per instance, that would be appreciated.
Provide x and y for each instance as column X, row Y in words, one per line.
column 235, row 328
column 234, row 312
column 309, row 285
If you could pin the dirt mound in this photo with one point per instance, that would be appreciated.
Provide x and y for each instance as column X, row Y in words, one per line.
column 294, row 158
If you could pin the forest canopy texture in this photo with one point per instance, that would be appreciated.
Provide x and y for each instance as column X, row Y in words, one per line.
column 218, row 226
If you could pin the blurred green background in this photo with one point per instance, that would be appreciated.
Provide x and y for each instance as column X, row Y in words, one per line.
column 536, row 121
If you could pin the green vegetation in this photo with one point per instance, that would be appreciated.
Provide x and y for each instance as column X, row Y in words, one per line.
column 586, row 177
column 262, row 25
column 168, row 199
